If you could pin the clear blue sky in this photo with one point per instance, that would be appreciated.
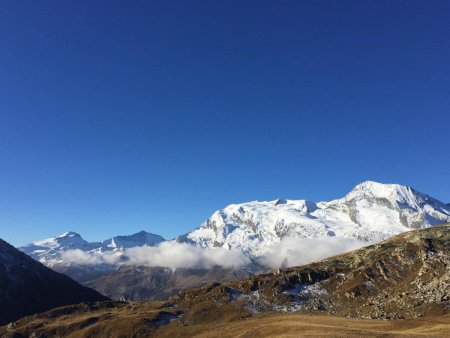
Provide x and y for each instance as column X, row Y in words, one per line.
column 117, row 116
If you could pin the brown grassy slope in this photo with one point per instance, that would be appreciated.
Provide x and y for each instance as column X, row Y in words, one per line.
column 299, row 325
column 103, row 319
column 143, row 319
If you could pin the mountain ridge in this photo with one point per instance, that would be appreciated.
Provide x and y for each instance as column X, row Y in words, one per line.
column 400, row 207
column 27, row 286
column 47, row 251
column 370, row 211
column 269, row 234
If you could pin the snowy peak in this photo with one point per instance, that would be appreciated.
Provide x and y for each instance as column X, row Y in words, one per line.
column 411, row 208
column 66, row 241
column 69, row 234
column 48, row 251
column 138, row 239
column 375, row 189
column 70, row 239
column 371, row 211
column 279, row 201
column 394, row 193
column 67, row 237
column 401, row 195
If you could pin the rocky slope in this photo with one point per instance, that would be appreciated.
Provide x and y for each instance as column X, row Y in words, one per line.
column 405, row 276
column 27, row 286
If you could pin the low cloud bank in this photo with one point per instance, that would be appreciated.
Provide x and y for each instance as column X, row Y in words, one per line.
column 299, row 251
column 81, row 257
column 181, row 255
column 289, row 252
column 167, row 254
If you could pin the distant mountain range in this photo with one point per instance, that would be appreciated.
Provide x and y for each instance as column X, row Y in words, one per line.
column 371, row 212
column 28, row 287
column 48, row 251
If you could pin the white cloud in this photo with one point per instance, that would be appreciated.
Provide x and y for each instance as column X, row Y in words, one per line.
column 181, row 255
column 289, row 252
column 299, row 251
column 167, row 254
column 89, row 258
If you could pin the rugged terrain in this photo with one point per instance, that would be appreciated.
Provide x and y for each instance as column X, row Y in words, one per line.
column 399, row 280
column 405, row 276
column 27, row 286
column 269, row 234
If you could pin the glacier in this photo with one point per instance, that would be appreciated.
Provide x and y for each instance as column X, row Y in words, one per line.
column 371, row 212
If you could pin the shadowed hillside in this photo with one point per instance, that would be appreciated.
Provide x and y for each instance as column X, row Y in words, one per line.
column 28, row 287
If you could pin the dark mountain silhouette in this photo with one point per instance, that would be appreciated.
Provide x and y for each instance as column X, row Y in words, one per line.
column 28, row 287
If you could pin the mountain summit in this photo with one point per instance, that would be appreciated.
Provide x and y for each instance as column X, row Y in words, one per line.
column 138, row 239
column 370, row 212
column 48, row 251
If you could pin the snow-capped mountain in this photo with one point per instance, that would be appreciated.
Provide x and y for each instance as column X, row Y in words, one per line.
column 48, row 251
column 268, row 234
column 370, row 212
column 138, row 239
